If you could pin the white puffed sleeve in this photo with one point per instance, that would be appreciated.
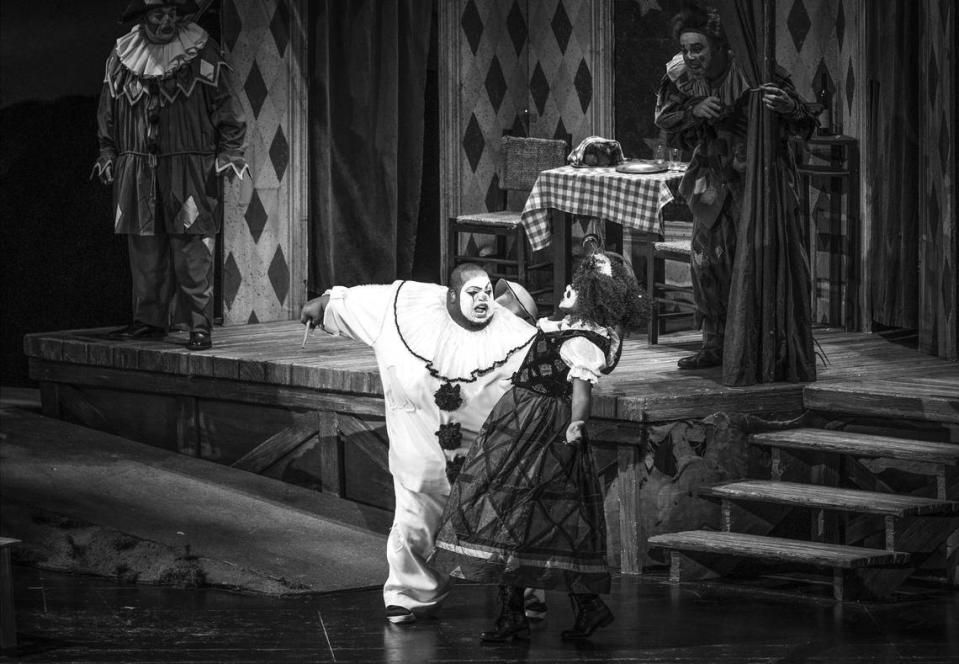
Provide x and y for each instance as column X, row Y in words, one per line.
column 585, row 359
column 358, row 312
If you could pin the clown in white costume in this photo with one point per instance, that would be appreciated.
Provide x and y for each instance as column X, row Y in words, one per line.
column 445, row 356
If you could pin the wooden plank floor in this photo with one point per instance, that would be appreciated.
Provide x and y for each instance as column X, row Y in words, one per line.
column 646, row 386
column 64, row 618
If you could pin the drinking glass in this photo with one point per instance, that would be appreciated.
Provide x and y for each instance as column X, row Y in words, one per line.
column 675, row 160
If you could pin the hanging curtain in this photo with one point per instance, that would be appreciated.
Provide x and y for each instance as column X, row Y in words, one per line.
column 367, row 101
column 769, row 322
column 892, row 173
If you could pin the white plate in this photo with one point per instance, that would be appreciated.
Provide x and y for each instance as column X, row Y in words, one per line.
column 640, row 167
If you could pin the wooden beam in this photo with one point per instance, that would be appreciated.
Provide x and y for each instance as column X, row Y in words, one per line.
column 221, row 389
column 8, row 622
column 365, row 439
column 331, row 454
column 630, row 466
column 279, row 445
column 50, row 399
column 74, row 402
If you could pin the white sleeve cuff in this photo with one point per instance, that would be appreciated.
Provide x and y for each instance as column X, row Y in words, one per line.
column 583, row 374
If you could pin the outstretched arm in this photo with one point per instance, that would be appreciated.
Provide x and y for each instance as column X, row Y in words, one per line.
column 582, row 400
column 358, row 312
column 781, row 97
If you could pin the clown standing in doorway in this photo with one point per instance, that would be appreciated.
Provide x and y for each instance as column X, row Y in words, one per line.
column 169, row 124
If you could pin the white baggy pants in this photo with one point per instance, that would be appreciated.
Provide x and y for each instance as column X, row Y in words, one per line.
column 411, row 583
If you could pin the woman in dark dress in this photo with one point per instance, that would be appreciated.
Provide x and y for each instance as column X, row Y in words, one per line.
column 527, row 509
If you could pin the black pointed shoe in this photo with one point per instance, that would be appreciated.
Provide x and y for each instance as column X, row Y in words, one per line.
column 707, row 357
column 511, row 623
column 591, row 614
column 200, row 340
column 138, row 330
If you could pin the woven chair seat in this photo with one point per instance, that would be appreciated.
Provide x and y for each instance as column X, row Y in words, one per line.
column 678, row 247
column 502, row 218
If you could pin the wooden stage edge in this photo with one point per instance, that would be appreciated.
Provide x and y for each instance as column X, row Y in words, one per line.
column 313, row 415
column 265, row 362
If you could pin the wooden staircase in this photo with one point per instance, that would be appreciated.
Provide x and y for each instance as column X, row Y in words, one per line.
column 844, row 520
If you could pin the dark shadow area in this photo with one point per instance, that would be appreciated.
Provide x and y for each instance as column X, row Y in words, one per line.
column 63, row 267
column 426, row 257
column 643, row 47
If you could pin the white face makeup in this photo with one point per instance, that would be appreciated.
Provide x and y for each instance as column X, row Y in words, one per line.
column 159, row 24
column 476, row 298
column 568, row 303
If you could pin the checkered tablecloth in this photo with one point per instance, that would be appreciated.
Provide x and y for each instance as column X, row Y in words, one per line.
column 633, row 201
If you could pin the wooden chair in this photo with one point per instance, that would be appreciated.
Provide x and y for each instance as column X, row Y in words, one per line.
column 673, row 246
column 522, row 160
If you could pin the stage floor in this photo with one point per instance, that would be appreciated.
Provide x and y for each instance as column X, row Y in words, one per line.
column 646, row 386
column 64, row 618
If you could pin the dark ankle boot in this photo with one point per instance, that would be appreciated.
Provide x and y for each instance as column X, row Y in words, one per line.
column 591, row 613
column 511, row 623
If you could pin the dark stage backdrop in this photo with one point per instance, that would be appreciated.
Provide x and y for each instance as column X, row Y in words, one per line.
column 62, row 266
column 368, row 79
column 643, row 46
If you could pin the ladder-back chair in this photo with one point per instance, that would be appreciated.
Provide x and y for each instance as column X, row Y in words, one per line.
column 667, row 300
column 522, row 160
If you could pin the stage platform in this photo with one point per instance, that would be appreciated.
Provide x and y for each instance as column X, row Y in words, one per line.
column 313, row 415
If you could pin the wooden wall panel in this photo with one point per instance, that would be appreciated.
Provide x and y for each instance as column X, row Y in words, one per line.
column 937, row 212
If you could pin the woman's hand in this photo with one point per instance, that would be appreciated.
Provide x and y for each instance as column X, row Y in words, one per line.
column 708, row 108
column 574, row 432
column 777, row 100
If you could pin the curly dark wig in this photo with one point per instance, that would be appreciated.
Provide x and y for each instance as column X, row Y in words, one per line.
column 615, row 301
column 695, row 18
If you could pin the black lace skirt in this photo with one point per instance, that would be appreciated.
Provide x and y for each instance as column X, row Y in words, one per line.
column 526, row 509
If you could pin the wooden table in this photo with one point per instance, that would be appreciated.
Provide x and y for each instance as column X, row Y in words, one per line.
column 633, row 201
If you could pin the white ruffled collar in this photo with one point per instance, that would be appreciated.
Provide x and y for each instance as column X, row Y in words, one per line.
column 729, row 88
column 145, row 59
column 453, row 352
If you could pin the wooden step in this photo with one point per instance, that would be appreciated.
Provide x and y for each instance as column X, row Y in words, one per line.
column 777, row 548
column 934, row 402
column 831, row 498
column 860, row 445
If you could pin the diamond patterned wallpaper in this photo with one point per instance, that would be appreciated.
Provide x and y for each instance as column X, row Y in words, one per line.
column 816, row 36
column 261, row 274
column 523, row 67
column 518, row 56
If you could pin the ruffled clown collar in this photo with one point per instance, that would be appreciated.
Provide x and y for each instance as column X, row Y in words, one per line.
column 451, row 352
column 145, row 59
column 728, row 88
